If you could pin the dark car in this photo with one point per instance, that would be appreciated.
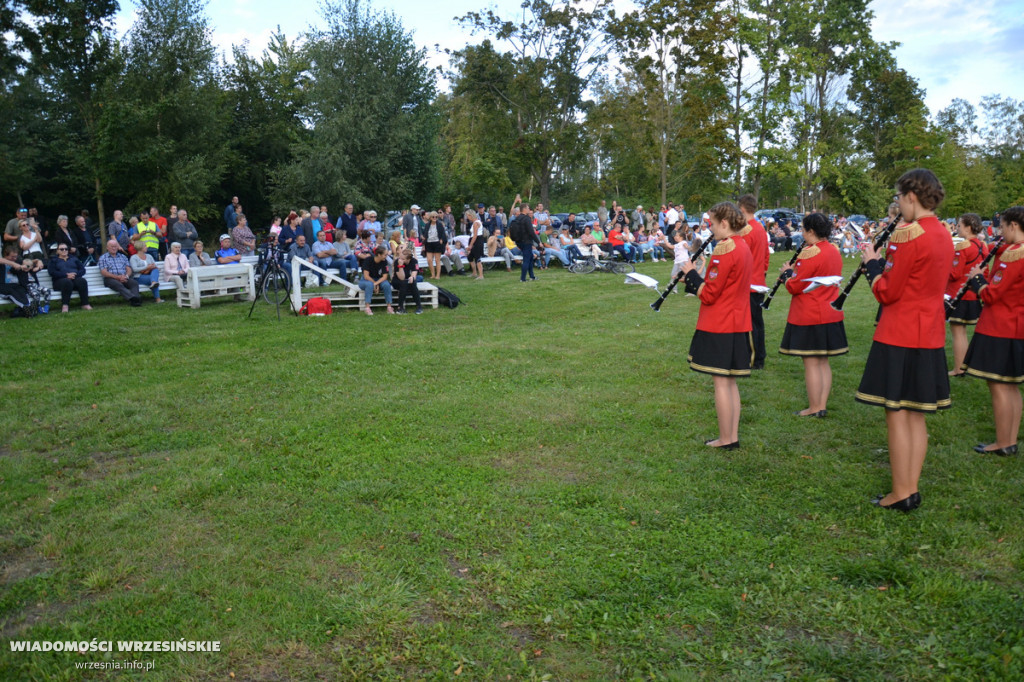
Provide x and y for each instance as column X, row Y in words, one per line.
column 858, row 219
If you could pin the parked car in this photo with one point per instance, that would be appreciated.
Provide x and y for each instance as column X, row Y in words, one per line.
column 858, row 219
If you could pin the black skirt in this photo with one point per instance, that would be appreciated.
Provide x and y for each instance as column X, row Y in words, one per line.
column 965, row 312
column 477, row 252
column 900, row 378
column 721, row 354
column 814, row 339
column 994, row 358
column 433, row 247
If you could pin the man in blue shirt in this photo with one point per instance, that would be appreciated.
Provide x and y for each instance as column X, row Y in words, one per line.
column 225, row 254
column 231, row 215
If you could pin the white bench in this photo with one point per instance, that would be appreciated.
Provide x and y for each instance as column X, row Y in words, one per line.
column 208, row 281
column 97, row 289
column 351, row 295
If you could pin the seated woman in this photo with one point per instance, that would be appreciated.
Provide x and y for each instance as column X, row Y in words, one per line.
column 31, row 244
column 199, row 258
column 145, row 272
column 375, row 278
column 406, row 272
column 68, row 275
column 175, row 266
column 568, row 245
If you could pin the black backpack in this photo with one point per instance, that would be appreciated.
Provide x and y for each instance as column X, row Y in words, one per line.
column 447, row 299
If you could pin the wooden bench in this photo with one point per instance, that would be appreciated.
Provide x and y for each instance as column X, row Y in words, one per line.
column 351, row 295
column 97, row 289
column 208, row 281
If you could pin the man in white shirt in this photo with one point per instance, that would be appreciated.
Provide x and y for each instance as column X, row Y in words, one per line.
column 672, row 217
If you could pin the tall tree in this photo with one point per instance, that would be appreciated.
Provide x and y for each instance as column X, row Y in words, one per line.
column 373, row 137
column 74, row 57
column 675, row 54
column 172, row 105
column 555, row 51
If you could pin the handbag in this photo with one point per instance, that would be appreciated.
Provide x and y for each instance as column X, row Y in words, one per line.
column 317, row 307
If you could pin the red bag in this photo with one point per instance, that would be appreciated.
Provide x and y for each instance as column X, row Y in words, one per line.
column 316, row 307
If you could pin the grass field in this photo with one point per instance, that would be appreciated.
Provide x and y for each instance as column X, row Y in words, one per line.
column 515, row 489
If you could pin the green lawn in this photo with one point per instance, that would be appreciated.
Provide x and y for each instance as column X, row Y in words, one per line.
column 516, row 489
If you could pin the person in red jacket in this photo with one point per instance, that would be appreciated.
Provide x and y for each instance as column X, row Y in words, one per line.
column 996, row 353
column 757, row 241
column 906, row 367
column 969, row 253
column 721, row 345
column 814, row 329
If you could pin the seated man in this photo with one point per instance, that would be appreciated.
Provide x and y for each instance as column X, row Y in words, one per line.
column 327, row 256
column 302, row 250
column 618, row 244
column 452, row 259
column 496, row 247
column 225, row 254
column 375, row 278
column 117, row 274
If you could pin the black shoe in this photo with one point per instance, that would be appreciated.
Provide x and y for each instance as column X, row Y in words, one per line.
column 819, row 413
column 1008, row 451
column 419, row 310
column 135, row 302
column 728, row 446
column 907, row 504
column 400, row 311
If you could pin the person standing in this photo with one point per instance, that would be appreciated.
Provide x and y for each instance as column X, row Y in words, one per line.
column 411, row 222
column 434, row 241
column 970, row 252
column 185, row 233
column 348, row 225
column 602, row 214
column 229, row 215
column 721, row 345
column 522, row 233
column 906, row 366
column 996, row 353
column 757, row 241
column 814, row 329
column 476, row 245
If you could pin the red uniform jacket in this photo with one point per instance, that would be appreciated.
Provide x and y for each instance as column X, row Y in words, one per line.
column 725, row 293
column 757, row 241
column 968, row 254
column 1003, row 296
column 912, row 285
column 813, row 307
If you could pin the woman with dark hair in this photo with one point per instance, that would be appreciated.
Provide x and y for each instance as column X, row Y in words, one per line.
column 289, row 231
column 996, row 352
column 814, row 329
column 970, row 252
column 906, row 367
column 721, row 346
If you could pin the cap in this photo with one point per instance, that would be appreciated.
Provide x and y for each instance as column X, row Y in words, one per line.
column 480, row 205
column 705, row 217
column 415, row 207
column 225, row 236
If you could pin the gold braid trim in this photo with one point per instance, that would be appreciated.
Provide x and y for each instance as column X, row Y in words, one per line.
column 724, row 247
column 1012, row 254
column 962, row 245
column 906, row 233
column 809, row 252
column 746, row 230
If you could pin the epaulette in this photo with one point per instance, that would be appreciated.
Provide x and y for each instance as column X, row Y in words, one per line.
column 1011, row 255
column 906, row 233
column 723, row 247
column 746, row 230
column 962, row 245
column 809, row 252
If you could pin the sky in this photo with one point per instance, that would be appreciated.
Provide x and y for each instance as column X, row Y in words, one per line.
column 954, row 48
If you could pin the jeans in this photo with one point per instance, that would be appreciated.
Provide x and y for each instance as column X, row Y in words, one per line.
column 573, row 252
column 624, row 250
column 658, row 252
column 152, row 280
column 550, row 253
column 527, row 249
column 334, row 262
column 367, row 287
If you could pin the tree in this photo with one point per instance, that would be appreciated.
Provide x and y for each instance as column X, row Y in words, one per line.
column 75, row 58
column 554, row 52
column 171, row 105
column 373, row 130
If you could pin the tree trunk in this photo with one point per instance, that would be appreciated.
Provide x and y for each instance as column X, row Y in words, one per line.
column 99, row 210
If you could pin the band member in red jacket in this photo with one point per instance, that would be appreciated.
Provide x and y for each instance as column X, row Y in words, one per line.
column 969, row 253
column 721, row 345
column 814, row 330
column 756, row 238
column 996, row 353
column 906, row 366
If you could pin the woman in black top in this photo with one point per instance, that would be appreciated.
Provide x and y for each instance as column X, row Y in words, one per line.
column 406, row 271
column 434, row 240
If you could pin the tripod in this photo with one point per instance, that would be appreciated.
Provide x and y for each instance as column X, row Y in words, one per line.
column 272, row 280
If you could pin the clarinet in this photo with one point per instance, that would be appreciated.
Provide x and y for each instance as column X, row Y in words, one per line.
column 879, row 243
column 782, row 278
column 656, row 306
column 953, row 302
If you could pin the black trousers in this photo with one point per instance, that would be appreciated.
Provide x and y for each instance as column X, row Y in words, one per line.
column 66, row 287
column 757, row 332
column 18, row 293
column 406, row 287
